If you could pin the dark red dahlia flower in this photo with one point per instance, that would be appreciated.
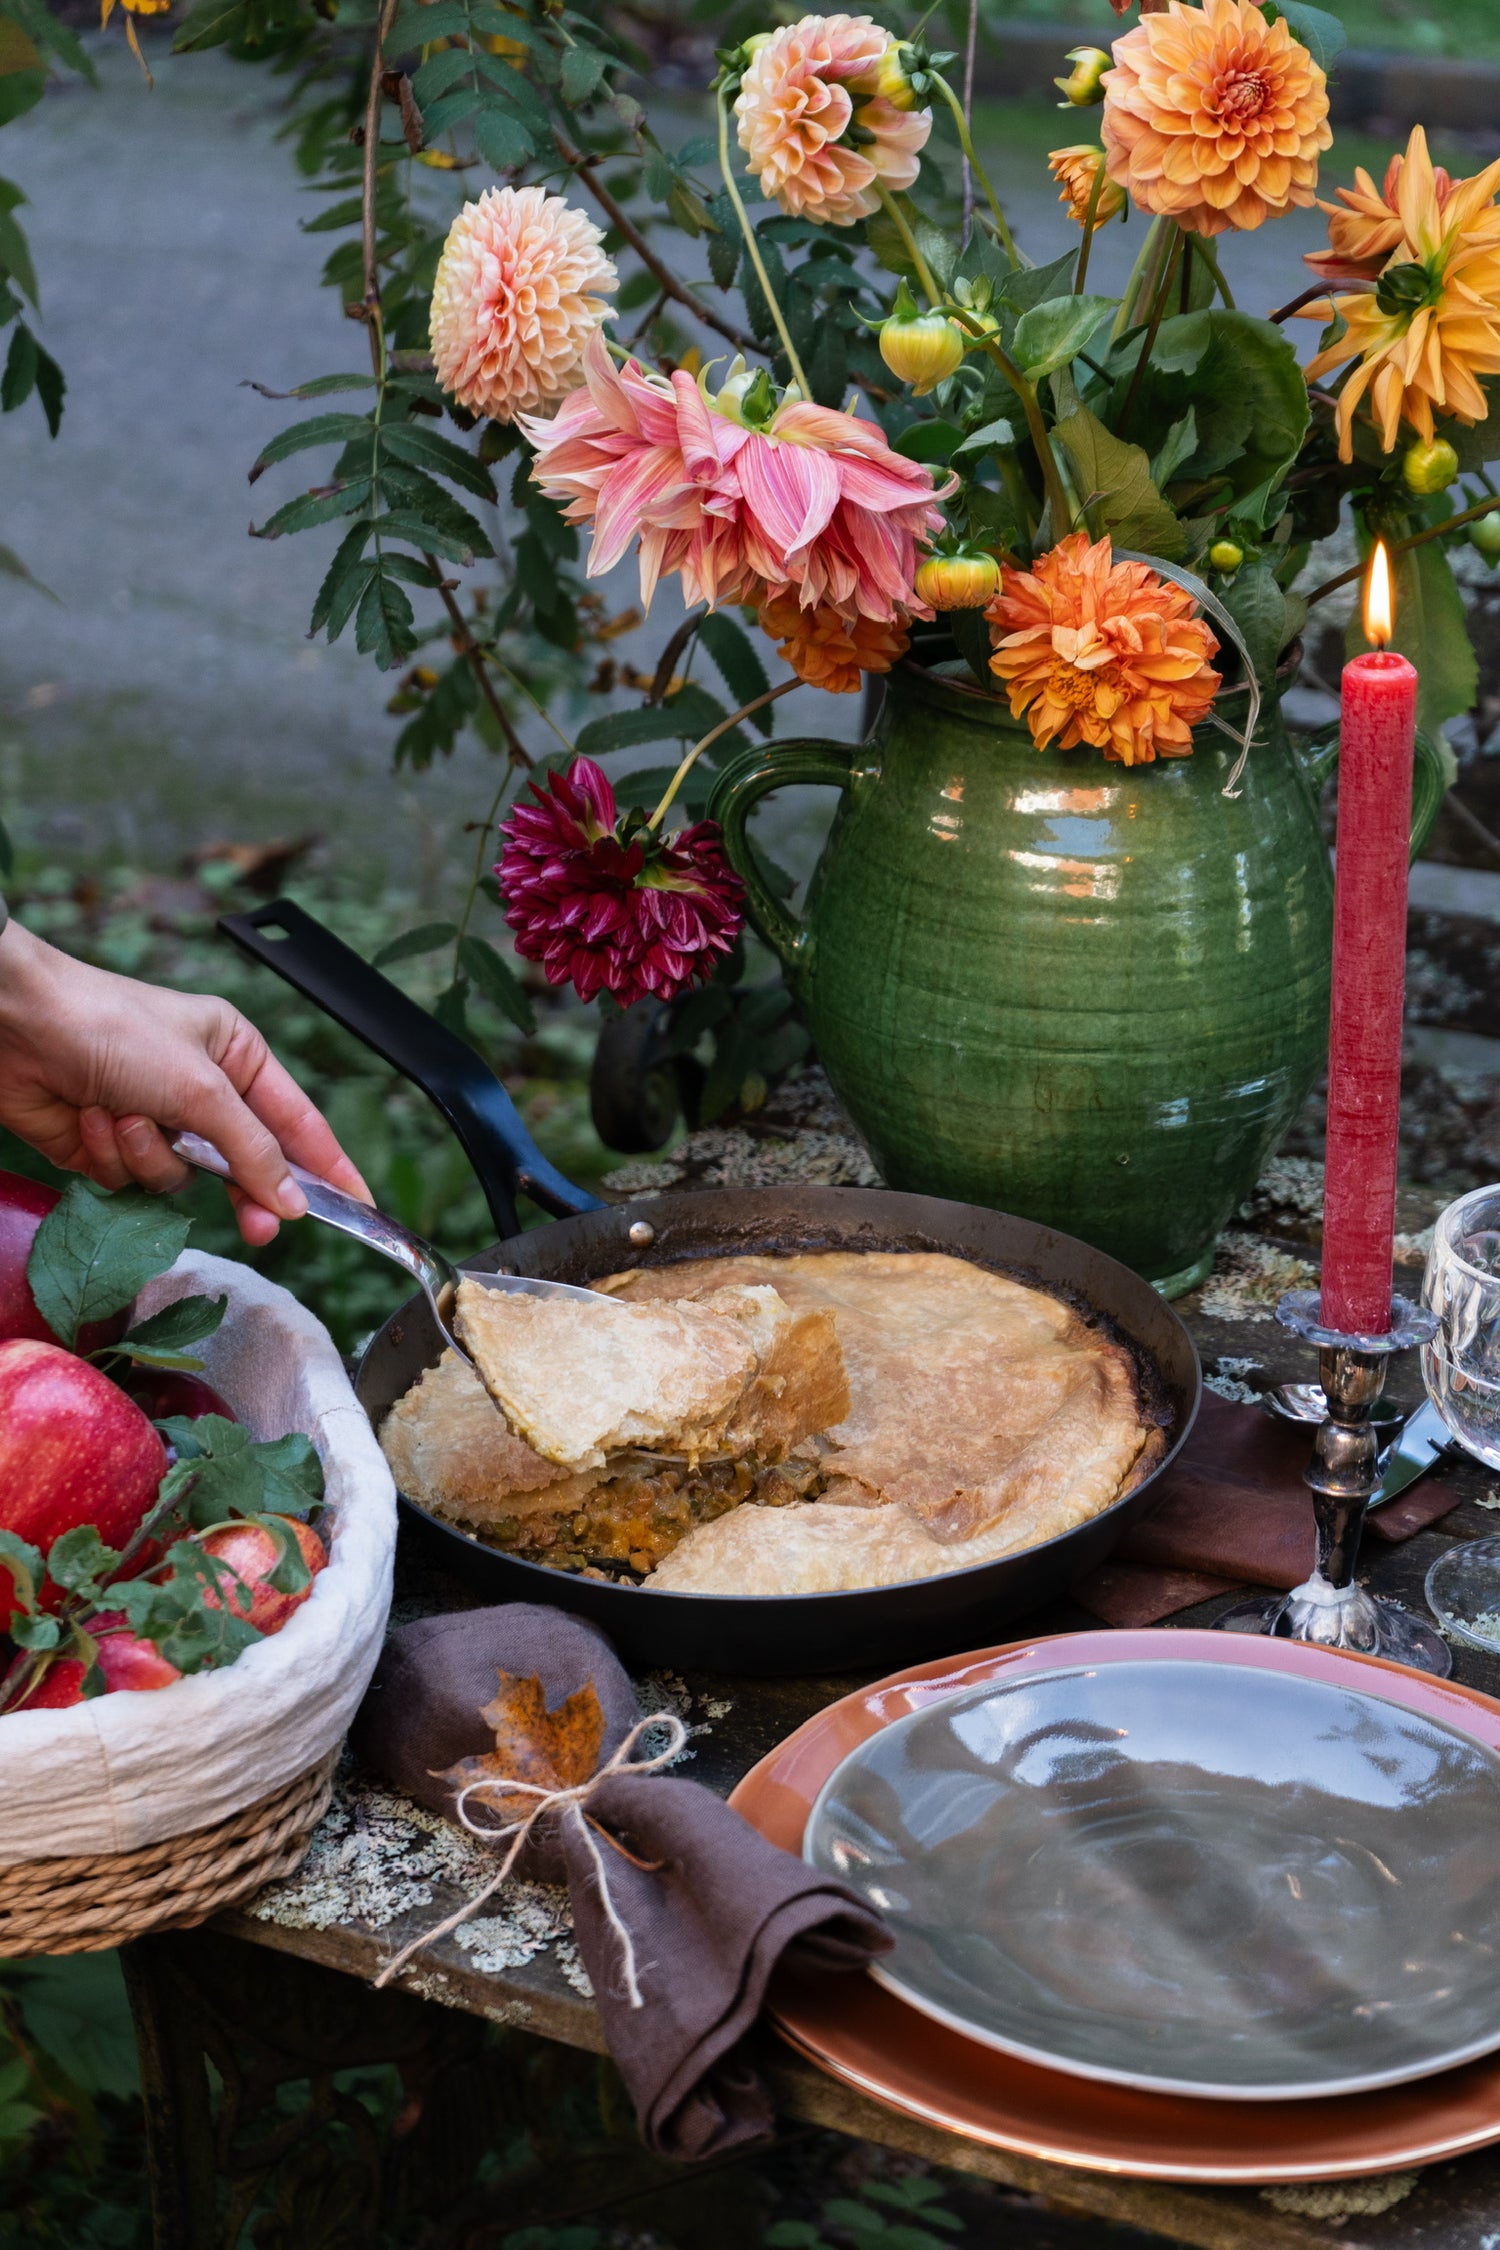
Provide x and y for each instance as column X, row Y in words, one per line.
column 609, row 911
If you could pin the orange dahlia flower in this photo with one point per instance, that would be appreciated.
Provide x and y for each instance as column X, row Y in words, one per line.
column 1075, row 170
column 520, row 288
column 817, row 123
column 1215, row 117
column 1096, row 651
column 828, row 650
column 1430, row 328
column 1363, row 235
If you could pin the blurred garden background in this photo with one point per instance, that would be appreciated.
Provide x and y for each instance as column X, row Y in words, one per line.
column 173, row 743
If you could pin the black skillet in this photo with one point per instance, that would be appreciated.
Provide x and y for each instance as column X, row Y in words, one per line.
column 883, row 1626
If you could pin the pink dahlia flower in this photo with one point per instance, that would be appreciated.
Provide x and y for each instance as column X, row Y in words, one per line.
column 804, row 89
column 627, row 914
column 520, row 289
column 814, row 502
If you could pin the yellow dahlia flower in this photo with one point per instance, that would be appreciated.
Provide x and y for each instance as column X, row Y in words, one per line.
column 1215, row 117
column 1430, row 328
column 817, row 123
column 1075, row 170
column 520, row 289
column 829, row 650
column 1365, row 233
column 1096, row 651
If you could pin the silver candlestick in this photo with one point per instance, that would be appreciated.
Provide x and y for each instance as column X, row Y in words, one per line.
column 1329, row 1608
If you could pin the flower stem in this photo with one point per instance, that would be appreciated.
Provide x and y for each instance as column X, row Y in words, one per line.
column 723, row 727
column 966, row 143
column 1401, row 547
column 1204, row 249
column 1144, row 275
column 481, row 849
column 1062, row 514
column 897, row 217
column 1148, row 341
column 1091, row 221
column 752, row 251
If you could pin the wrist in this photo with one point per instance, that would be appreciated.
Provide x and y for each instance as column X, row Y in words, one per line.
column 27, row 983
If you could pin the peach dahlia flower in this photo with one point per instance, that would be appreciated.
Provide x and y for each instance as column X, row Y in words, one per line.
column 520, row 289
column 814, row 502
column 1075, row 170
column 803, row 90
column 1096, row 651
column 829, row 650
column 1363, row 235
column 1430, row 328
column 1215, row 117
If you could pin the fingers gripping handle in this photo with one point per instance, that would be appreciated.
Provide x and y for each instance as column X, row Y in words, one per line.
column 737, row 791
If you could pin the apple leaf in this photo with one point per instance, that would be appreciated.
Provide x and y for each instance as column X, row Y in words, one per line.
column 80, row 1562
column 24, row 1563
column 551, row 1749
column 162, row 1340
column 36, row 1633
column 225, row 1472
column 185, row 1611
column 95, row 1251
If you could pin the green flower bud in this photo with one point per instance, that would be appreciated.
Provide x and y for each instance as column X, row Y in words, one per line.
column 1225, row 555
column 1484, row 533
column 920, row 348
column 1082, row 87
column 1429, row 468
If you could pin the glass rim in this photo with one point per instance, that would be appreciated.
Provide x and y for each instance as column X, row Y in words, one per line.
column 1441, row 1231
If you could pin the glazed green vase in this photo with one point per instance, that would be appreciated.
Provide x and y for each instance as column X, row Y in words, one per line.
column 1092, row 995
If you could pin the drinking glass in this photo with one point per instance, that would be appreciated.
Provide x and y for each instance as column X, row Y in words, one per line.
column 1461, row 1368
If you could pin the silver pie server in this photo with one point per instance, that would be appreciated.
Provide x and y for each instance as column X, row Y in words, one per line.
column 436, row 1276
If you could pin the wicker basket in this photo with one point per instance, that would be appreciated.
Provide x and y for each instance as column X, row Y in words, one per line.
column 89, row 1905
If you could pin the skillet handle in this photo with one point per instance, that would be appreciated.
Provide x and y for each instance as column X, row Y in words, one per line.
column 448, row 1071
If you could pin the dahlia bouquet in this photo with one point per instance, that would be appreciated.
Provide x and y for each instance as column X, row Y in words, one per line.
column 875, row 431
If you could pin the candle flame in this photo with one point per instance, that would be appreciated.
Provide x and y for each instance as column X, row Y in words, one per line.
column 1379, row 607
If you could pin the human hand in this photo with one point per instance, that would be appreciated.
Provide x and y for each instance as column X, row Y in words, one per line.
column 98, row 1070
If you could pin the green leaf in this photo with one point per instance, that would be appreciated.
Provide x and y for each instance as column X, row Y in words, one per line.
column 1176, row 447
column 20, row 366
column 1259, row 608
column 1321, row 34
column 76, row 2010
column 1242, row 380
column 1052, row 334
column 1024, row 287
column 492, row 975
column 319, row 387
column 647, row 788
column 310, row 509
column 35, row 1632
column 79, row 1560
column 212, row 23
column 425, row 449
column 24, row 1562
column 971, row 637
column 738, row 662
column 20, row 90
column 1001, row 434
column 413, row 492
column 94, row 1252
column 929, row 441
column 1114, row 480
column 15, row 257
column 318, row 429
column 51, row 385
column 501, row 139
column 383, row 620
column 186, row 1321
column 411, row 943
column 582, row 69
column 11, row 566
column 343, row 584
column 623, row 730
column 418, row 26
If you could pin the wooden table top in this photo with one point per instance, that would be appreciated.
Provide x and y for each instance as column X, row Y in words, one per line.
column 1454, row 2206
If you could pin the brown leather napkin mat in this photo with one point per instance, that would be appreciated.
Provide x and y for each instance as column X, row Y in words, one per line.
column 1233, row 1510
column 710, row 1912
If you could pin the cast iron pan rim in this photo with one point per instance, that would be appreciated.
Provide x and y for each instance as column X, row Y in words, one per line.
column 514, row 1253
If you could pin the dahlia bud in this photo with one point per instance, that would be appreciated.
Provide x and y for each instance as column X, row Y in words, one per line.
column 1429, row 468
column 890, row 80
column 965, row 580
column 1082, row 87
column 919, row 348
column 1225, row 555
column 1485, row 535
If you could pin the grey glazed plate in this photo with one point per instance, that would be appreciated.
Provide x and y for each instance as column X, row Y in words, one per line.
column 1187, row 1877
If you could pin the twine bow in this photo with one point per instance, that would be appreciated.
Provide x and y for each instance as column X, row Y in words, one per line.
column 570, row 1806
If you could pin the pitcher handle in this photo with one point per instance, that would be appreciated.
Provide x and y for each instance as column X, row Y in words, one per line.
column 1429, row 782
column 736, row 792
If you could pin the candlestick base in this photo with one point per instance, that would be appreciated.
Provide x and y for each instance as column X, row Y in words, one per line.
column 1329, row 1610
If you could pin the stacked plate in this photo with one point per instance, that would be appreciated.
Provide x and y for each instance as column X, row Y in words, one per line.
column 1167, row 1903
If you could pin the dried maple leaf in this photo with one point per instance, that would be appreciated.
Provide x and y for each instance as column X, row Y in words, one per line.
column 551, row 1749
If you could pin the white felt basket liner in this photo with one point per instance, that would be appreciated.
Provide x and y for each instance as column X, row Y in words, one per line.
column 134, row 1768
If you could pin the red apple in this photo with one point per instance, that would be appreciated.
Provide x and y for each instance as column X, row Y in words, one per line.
column 162, row 1392
column 254, row 1553
column 73, row 1450
column 23, row 1206
column 125, row 1660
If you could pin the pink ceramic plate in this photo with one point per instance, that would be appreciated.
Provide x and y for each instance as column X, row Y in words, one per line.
column 868, row 2037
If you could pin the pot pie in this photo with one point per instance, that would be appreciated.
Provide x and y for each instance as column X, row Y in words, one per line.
column 817, row 1423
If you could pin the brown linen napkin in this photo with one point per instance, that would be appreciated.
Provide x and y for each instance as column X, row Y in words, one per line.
column 711, row 1909
column 1232, row 1511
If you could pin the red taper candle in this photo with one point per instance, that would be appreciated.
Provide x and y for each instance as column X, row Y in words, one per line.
column 1377, row 743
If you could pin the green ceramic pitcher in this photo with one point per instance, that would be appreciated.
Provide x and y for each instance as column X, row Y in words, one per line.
column 1092, row 995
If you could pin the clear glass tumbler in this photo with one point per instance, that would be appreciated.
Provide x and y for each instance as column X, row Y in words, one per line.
column 1461, row 1368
